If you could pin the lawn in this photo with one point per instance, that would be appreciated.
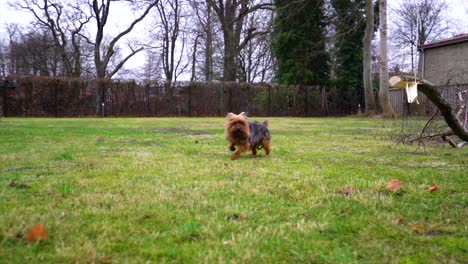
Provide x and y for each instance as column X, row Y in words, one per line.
column 165, row 190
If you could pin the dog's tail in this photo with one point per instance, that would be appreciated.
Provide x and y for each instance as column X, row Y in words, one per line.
column 265, row 122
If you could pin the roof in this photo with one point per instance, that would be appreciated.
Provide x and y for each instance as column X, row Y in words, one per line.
column 444, row 42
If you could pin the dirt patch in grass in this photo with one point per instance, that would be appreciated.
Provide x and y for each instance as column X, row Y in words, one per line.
column 18, row 185
column 183, row 131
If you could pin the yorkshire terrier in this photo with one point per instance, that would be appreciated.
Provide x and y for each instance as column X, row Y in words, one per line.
column 246, row 135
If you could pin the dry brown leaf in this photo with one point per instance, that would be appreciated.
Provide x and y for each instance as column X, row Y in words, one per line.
column 347, row 191
column 400, row 221
column 394, row 185
column 416, row 228
column 433, row 188
column 38, row 232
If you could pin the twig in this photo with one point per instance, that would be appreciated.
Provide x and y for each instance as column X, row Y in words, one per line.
column 427, row 124
column 424, row 137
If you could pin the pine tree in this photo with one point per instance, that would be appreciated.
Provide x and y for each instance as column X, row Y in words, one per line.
column 349, row 24
column 299, row 42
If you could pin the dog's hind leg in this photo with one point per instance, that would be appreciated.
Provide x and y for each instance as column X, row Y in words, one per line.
column 254, row 151
column 266, row 146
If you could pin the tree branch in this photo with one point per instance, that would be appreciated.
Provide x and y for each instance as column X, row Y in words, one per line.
column 121, row 63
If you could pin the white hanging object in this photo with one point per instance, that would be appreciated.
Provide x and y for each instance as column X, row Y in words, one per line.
column 412, row 92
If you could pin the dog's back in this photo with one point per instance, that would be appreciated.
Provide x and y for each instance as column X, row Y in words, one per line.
column 258, row 132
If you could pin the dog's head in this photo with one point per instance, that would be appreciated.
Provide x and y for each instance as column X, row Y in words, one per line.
column 237, row 126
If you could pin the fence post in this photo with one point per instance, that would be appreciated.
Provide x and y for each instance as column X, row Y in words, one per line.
column 103, row 100
column 4, row 88
column 269, row 100
column 55, row 101
column 147, row 99
column 306, row 104
column 190, row 100
column 230, row 98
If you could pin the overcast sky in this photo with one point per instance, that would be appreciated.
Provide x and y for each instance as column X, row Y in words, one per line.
column 121, row 17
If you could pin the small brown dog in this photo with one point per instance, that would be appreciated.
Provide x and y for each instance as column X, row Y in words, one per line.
column 246, row 135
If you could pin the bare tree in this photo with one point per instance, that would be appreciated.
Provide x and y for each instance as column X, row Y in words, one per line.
column 370, row 106
column 30, row 52
column 172, row 29
column 256, row 59
column 205, row 32
column 384, row 99
column 152, row 67
column 64, row 24
column 33, row 55
column 232, row 14
column 102, row 56
column 3, row 58
column 417, row 22
column 193, row 76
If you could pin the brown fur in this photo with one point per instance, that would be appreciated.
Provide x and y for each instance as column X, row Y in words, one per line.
column 238, row 134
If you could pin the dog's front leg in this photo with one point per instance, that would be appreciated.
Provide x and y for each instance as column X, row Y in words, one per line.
column 232, row 146
column 239, row 150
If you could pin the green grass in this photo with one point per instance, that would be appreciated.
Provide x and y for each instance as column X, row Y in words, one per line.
column 165, row 190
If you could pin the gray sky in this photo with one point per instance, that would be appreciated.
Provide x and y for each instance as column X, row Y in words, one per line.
column 458, row 11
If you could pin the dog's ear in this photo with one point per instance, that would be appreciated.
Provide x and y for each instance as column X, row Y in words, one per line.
column 230, row 115
column 243, row 114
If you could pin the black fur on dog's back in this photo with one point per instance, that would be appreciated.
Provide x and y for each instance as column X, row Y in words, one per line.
column 258, row 132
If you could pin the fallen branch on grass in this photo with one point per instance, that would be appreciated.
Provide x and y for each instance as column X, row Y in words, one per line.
column 450, row 116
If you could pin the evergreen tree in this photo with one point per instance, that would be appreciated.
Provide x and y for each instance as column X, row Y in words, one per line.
column 349, row 24
column 299, row 42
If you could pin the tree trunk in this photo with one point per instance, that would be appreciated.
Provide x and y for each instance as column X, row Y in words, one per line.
column 194, row 58
column 230, row 55
column 209, row 45
column 370, row 106
column 231, row 14
column 384, row 99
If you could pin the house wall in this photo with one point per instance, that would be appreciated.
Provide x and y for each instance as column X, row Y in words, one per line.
column 446, row 65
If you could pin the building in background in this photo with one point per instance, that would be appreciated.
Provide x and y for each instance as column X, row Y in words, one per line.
column 445, row 64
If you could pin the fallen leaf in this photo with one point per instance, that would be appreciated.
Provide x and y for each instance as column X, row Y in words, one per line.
column 416, row 228
column 348, row 191
column 433, row 188
column 394, row 185
column 400, row 221
column 37, row 233
column 105, row 259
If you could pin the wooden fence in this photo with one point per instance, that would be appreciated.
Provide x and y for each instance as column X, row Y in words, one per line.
column 65, row 97
column 425, row 107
